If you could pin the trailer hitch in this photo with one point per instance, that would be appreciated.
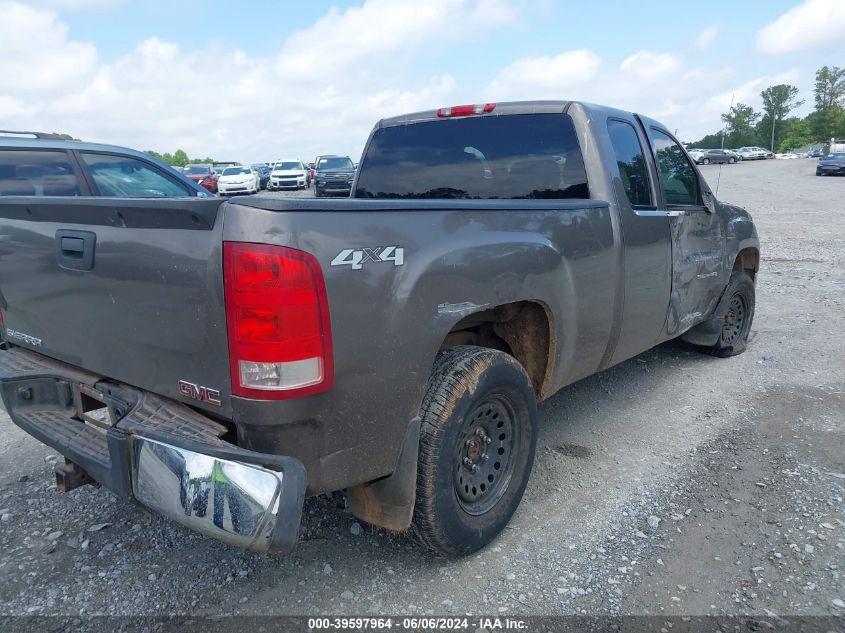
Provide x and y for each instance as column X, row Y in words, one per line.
column 70, row 476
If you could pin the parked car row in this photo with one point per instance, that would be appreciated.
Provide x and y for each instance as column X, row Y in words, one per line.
column 332, row 174
column 830, row 164
column 730, row 156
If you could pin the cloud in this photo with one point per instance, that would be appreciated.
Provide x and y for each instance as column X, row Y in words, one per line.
column 686, row 98
column 297, row 101
column 544, row 77
column 811, row 24
column 706, row 37
column 36, row 55
column 648, row 65
column 383, row 26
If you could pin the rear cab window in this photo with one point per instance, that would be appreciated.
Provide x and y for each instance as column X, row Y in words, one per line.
column 127, row 177
column 25, row 172
column 631, row 161
column 534, row 156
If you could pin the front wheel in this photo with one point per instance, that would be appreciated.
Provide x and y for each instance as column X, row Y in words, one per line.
column 739, row 314
column 477, row 442
column 731, row 160
column 706, row 161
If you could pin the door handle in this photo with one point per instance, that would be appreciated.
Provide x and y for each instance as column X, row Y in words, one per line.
column 73, row 246
column 75, row 249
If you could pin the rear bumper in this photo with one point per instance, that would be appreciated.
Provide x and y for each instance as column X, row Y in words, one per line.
column 160, row 453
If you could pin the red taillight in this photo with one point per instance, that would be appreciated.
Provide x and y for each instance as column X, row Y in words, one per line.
column 466, row 110
column 277, row 314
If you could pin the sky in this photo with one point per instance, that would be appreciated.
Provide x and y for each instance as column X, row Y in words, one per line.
column 264, row 80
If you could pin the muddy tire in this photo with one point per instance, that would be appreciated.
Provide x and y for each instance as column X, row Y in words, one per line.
column 477, row 442
column 739, row 315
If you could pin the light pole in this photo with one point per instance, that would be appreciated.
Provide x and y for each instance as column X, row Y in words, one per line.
column 772, row 147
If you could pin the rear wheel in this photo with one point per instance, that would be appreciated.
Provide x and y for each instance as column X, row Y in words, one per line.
column 477, row 442
column 739, row 315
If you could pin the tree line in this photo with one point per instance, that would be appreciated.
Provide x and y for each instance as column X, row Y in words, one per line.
column 179, row 158
column 774, row 128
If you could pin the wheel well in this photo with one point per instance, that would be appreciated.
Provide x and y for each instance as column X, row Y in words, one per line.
column 748, row 261
column 522, row 329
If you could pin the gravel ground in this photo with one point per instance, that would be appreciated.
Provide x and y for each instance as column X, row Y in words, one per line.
column 674, row 483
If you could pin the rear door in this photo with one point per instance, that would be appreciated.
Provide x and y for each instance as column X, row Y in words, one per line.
column 126, row 283
column 698, row 235
column 647, row 267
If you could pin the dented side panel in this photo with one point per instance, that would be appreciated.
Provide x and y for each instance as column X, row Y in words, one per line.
column 698, row 268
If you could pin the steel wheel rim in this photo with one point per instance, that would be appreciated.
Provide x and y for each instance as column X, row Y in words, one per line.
column 734, row 320
column 485, row 457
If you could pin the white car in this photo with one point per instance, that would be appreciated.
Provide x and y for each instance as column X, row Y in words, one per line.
column 755, row 153
column 238, row 179
column 289, row 173
column 696, row 154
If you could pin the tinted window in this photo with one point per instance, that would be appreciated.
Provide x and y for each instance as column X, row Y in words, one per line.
column 678, row 178
column 36, row 173
column 631, row 162
column 514, row 156
column 126, row 177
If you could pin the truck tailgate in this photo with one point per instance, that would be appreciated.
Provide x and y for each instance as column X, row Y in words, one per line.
column 126, row 288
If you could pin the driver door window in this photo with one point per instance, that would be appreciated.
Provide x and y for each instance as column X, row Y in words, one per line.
column 678, row 177
column 127, row 177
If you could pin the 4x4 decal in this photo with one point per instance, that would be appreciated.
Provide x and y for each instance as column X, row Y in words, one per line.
column 358, row 257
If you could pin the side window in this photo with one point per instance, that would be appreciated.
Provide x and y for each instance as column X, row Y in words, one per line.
column 37, row 173
column 127, row 177
column 678, row 178
column 630, row 159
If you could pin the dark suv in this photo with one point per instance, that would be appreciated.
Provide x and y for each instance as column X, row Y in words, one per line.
column 333, row 176
column 38, row 164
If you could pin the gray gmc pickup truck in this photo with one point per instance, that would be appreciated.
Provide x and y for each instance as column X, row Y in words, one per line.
column 219, row 361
